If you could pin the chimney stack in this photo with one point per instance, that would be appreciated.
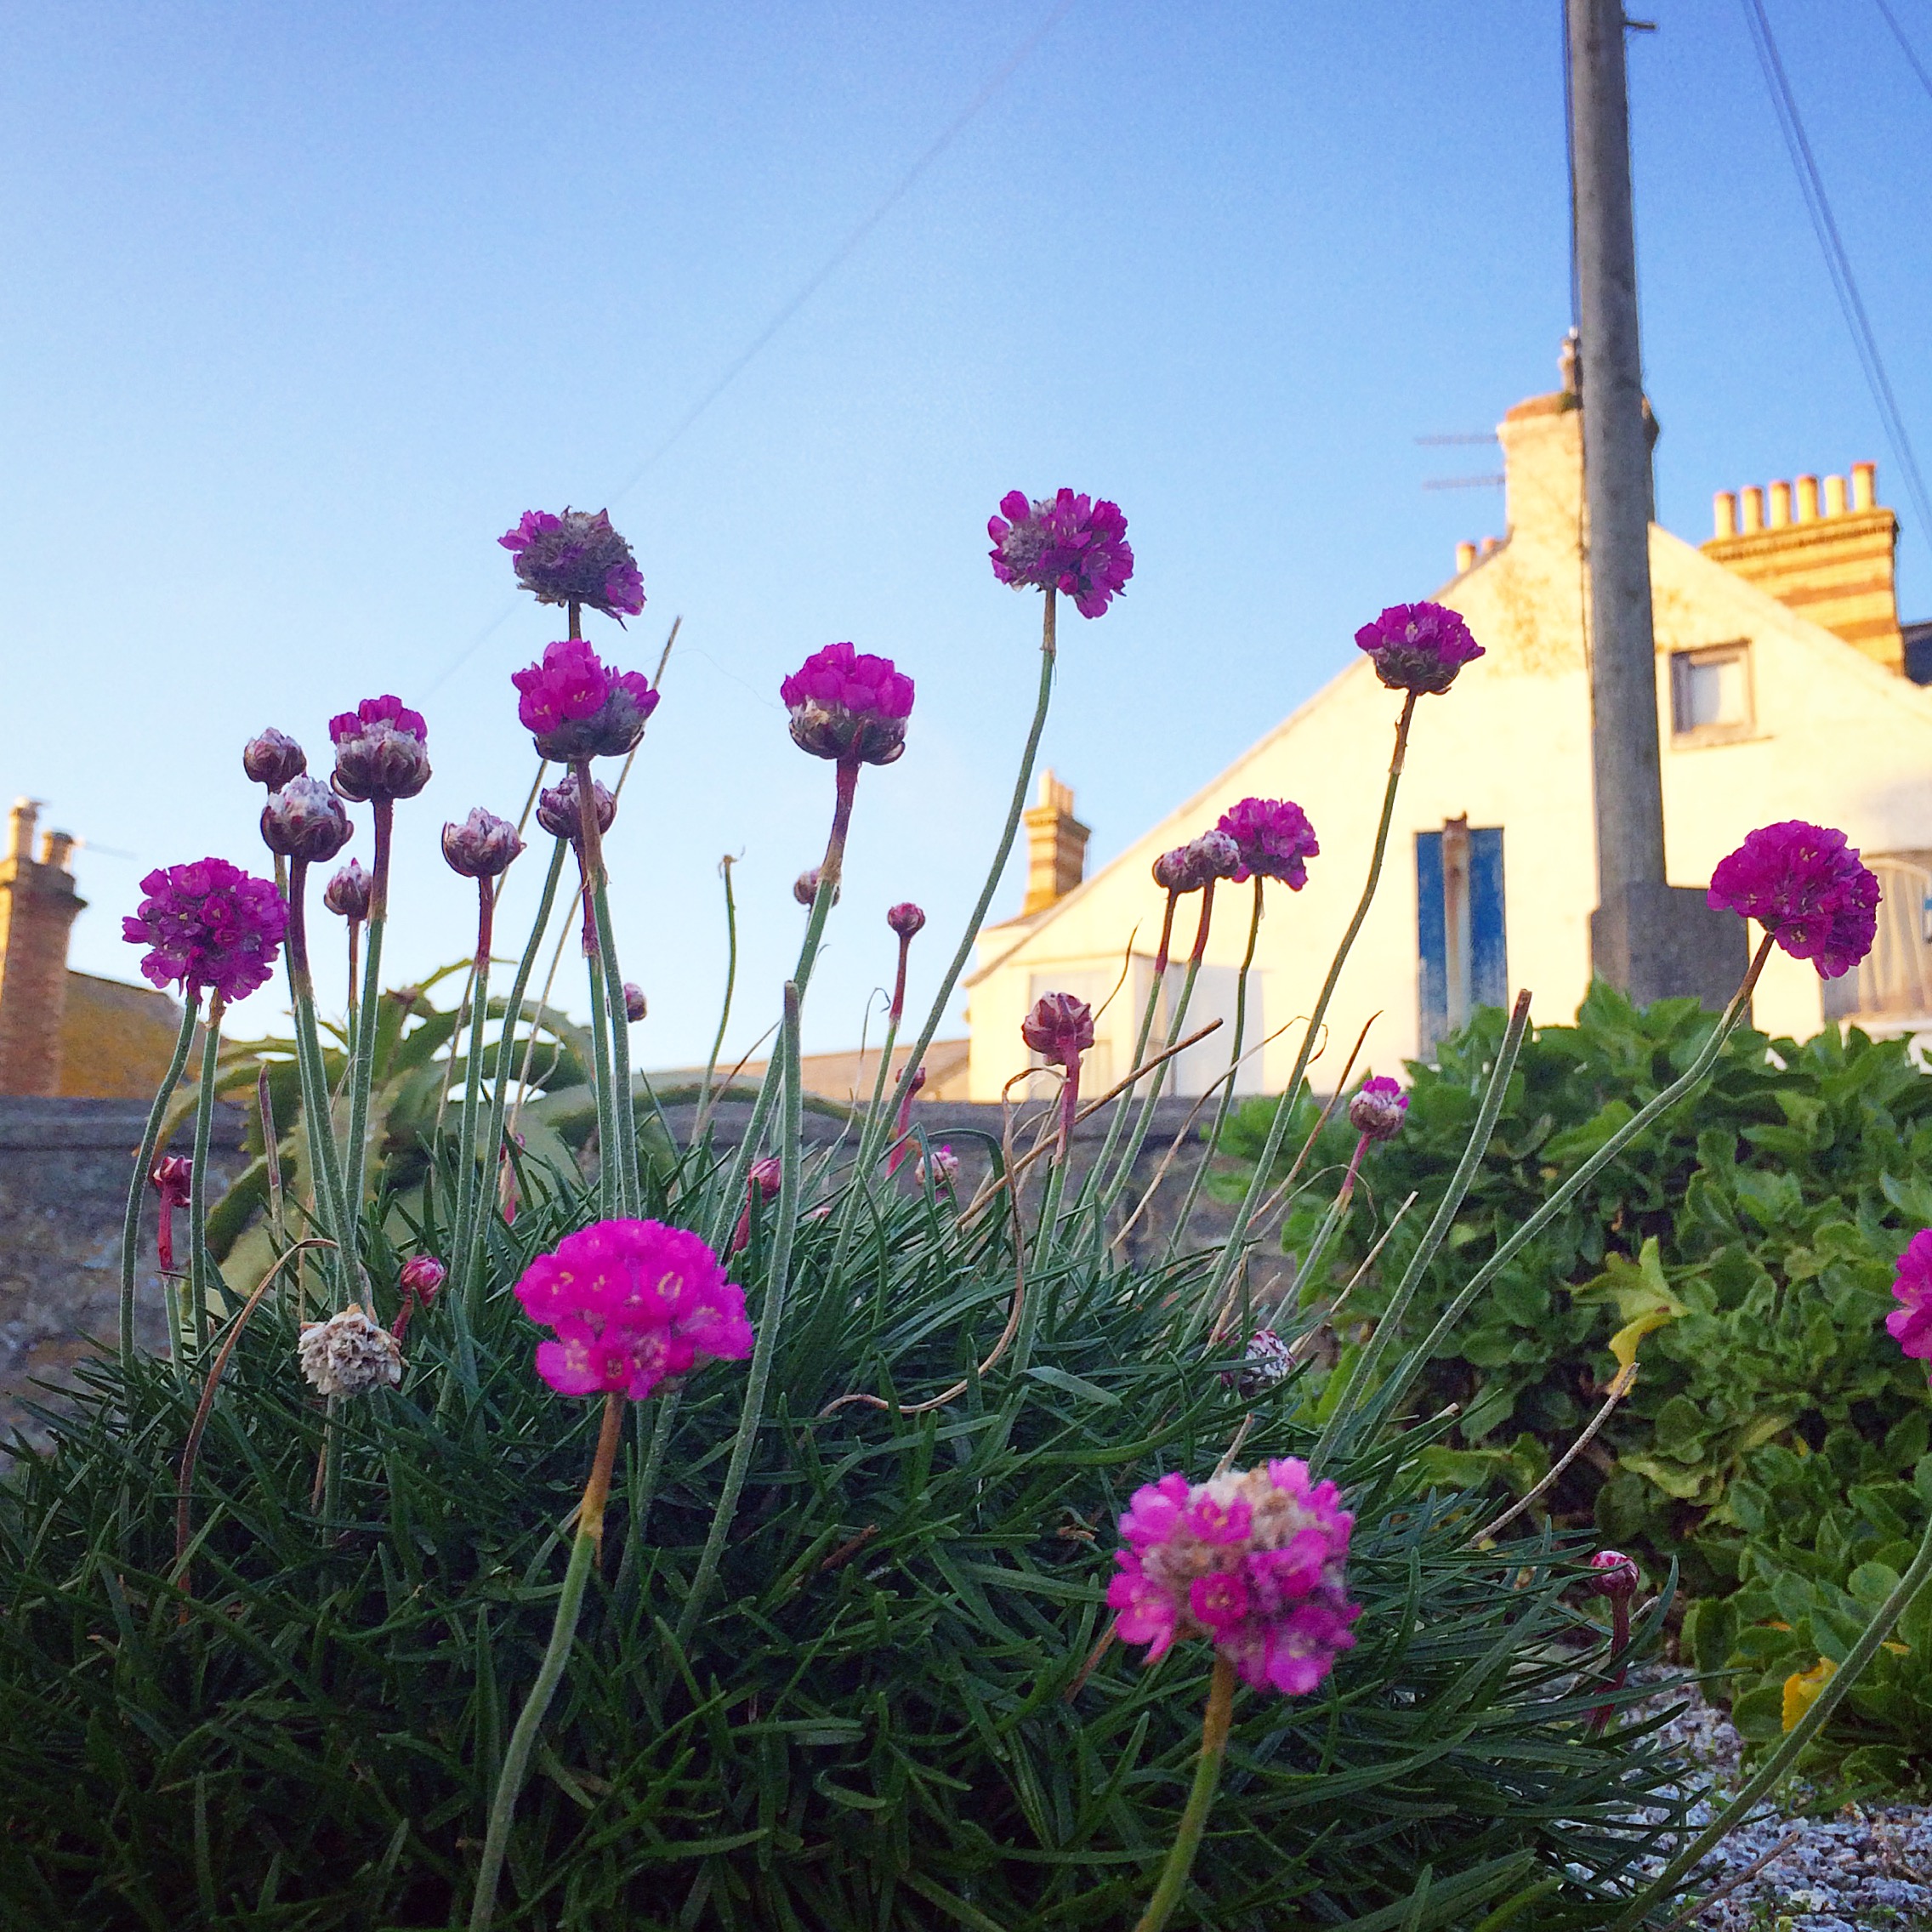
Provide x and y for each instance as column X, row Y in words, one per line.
column 1056, row 846
column 37, row 906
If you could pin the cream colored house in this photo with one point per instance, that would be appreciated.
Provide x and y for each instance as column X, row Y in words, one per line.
column 1782, row 692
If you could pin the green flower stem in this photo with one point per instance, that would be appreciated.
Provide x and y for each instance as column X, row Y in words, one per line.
column 143, row 1166
column 563, row 1631
column 363, row 1061
column 610, row 1152
column 1215, row 1723
column 614, row 1047
column 1117, row 1124
column 1800, row 1733
column 770, row 1315
column 198, row 1177
column 724, row 866
column 468, row 1187
column 318, row 1116
column 1217, row 1287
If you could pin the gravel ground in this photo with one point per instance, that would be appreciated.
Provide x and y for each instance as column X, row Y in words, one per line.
column 1861, row 1869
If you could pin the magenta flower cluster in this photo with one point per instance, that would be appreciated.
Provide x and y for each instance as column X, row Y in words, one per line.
column 1377, row 1107
column 1065, row 542
column 575, row 705
column 1273, row 838
column 1250, row 1561
column 207, row 925
column 847, row 705
column 632, row 1303
column 380, row 751
column 1910, row 1324
column 1419, row 647
column 576, row 558
column 1805, row 886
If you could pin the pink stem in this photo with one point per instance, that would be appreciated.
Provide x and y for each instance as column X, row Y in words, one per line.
column 1166, row 934
column 899, row 984
column 1207, row 913
column 902, row 1143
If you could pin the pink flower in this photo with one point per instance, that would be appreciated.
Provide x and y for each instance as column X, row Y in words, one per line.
column 482, row 846
column 1253, row 1562
column 632, row 1303
column 306, row 820
column 1059, row 1029
column 208, row 924
column 381, row 750
column 575, row 705
column 1376, row 1108
column 348, row 892
column 576, row 558
column 272, row 758
column 1419, row 647
column 847, row 705
column 1804, row 885
column 1273, row 838
column 1910, row 1325
column 1063, row 542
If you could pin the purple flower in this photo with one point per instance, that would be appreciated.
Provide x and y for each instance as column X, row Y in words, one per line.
column 1804, row 884
column 482, row 846
column 208, row 924
column 423, row 1276
column 348, row 892
column 560, row 813
column 380, row 751
column 1910, row 1324
column 304, row 819
column 575, row 705
column 1062, row 543
column 1059, row 1029
column 940, row 1165
column 1419, row 647
column 575, row 559
column 1377, row 1109
column 1275, row 838
column 847, row 705
column 1253, row 1562
column 273, row 758
column 635, row 1005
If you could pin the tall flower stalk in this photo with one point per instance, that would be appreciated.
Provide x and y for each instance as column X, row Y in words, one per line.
column 143, row 1166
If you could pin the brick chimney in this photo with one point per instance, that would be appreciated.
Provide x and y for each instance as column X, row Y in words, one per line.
column 1056, row 846
column 37, row 905
column 1830, row 562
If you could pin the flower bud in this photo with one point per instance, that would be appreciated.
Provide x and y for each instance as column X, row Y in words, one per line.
column 941, row 1165
column 905, row 919
column 635, row 1006
column 348, row 1354
column 1059, row 1029
column 766, row 1175
column 348, row 892
column 559, row 812
column 304, row 819
column 273, row 758
column 482, row 846
column 804, row 887
column 380, row 751
column 1378, row 1107
column 1265, row 1362
column 1617, row 1575
column 169, row 1177
column 423, row 1276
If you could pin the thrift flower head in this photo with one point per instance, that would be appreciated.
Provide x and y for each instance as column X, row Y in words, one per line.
column 576, row 706
column 804, row 887
column 1064, row 542
column 1378, row 1107
column 208, row 924
column 1275, row 840
column 575, row 559
column 847, row 705
column 941, row 1165
column 1910, row 1324
column 1252, row 1562
column 1804, row 885
column 560, row 814
column 273, row 758
column 1214, row 854
column 348, row 892
column 482, row 846
column 423, row 1276
column 1266, row 1362
column 1059, row 1029
column 348, row 1354
column 304, row 819
column 170, row 1178
column 1617, row 1576
column 905, row 918
column 635, row 1005
column 380, row 751
column 1419, row 647
column 632, row 1302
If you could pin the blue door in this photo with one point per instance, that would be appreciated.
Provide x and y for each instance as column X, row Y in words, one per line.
column 1463, row 958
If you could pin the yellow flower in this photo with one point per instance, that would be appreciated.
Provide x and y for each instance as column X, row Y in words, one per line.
column 1802, row 1687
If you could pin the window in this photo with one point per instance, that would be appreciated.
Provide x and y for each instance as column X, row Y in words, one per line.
column 1710, row 694
column 1895, row 980
column 1463, row 952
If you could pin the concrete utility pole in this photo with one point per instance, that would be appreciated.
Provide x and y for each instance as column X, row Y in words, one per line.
column 1647, row 938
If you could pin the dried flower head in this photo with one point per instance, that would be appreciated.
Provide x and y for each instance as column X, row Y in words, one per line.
column 1273, row 838
column 208, row 924
column 1059, row 1029
column 1064, row 542
column 423, row 1276
column 1252, row 1562
column 905, row 918
column 804, row 887
column 576, row 706
column 348, row 1354
column 575, row 559
column 1265, row 1363
column 1806, row 885
column 939, row 1165
column 482, row 846
column 304, row 819
column 381, row 750
column 348, row 892
column 1419, row 647
column 847, row 705
column 632, row 1302
column 1910, row 1324
column 1376, row 1108
column 272, row 758
column 560, row 814
column 635, row 1005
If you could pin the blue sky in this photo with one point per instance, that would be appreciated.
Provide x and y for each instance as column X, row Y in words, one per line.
column 306, row 303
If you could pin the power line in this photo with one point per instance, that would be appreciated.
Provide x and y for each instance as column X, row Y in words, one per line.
column 1904, row 45
column 1811, row 185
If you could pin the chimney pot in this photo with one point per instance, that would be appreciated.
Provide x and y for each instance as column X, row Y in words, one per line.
column 1781, row 505
column 1864, row 486
column 1751, row 509
column 20, row 822
column 1834, row 496
column 1808, row 499
column 37, row 906
column 56, row 849
column 1723, row 513
column 1465, row 558
column 1490, row 545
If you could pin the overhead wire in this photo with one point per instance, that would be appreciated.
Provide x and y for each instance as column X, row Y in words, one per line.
column 1917, row 65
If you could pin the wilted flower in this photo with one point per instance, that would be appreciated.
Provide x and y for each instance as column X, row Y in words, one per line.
column 560, row 814
column 482, row 846
column 635, row 1005
column 304, row 819
column 1910, row 1324
column 1274, row 840
column 1805, row 886
column 348, row 892
column 1252, row 1561
column 1266, row 1362
column 380, row 751
column 1063, row 542
column 849, row 705
column 172, row 1177
column 1376, row 1108
column 1419, row 647
column 905, row 918
column 348, row 1354
column 804, row 887
column 273, row 757
column 575, row 705
column 940, row 1165
column 632, row 1303
column 575, row 558
column 208, row 924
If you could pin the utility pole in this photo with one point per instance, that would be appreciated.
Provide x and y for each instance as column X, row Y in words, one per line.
column 1648, row 939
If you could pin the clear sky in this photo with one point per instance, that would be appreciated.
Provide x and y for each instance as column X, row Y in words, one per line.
column 305, row 304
